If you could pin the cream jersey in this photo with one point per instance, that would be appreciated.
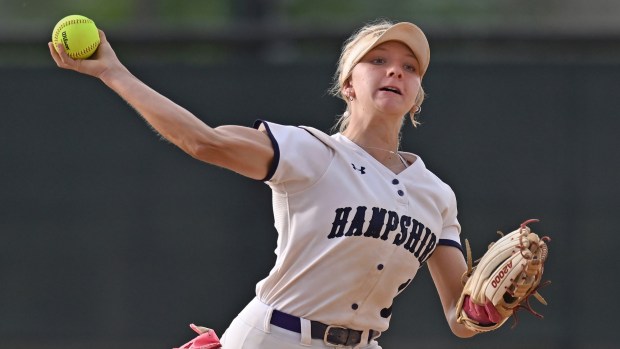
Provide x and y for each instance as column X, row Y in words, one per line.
column 351, row 233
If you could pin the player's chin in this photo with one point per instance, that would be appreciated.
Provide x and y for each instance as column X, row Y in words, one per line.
column 393, row 105
column 394, row 111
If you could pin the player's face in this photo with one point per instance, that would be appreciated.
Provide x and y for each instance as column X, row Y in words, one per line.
column 387, row 79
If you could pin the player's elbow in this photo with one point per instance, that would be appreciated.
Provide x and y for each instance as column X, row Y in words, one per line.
column 196, row 149
column 205, row 147
column 203, row 151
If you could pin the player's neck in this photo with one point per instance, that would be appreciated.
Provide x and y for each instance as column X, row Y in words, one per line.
column 377, row 136
column 382, row 150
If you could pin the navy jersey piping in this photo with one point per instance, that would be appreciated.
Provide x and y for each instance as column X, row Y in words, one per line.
column 276, row 150
column 448, row 242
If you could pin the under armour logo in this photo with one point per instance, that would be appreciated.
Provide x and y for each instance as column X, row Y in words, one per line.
column 361, row 169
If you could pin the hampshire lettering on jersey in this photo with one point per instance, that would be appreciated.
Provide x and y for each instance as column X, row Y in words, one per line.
column 385, row 225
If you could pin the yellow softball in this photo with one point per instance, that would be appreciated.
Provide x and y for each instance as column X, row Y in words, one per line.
column 78, row 34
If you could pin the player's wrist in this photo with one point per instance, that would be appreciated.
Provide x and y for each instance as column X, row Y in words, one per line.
column 115, row 76
column 459, row 329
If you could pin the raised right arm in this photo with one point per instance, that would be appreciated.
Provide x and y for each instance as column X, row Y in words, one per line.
column 240, row 149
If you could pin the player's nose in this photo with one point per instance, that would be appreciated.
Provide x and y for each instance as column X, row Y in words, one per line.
column 395, row 71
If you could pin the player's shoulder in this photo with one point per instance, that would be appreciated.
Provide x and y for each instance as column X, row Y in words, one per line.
column 432, row 178
column 300, row 155
column 276, row 128
column 300, row 134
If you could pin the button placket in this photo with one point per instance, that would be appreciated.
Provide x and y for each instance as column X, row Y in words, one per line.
column 400, row 192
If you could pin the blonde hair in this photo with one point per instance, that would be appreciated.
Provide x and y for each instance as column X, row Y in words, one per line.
column 345, row 66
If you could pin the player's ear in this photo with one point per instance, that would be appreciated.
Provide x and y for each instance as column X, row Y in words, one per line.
column 347, row 84
column 347, row 89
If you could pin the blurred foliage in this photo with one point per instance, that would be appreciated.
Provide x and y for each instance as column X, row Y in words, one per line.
column 216, row 30
column 329, row 12
column 115, row 12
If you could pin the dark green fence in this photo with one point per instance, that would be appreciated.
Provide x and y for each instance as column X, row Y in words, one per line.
column 110, row 237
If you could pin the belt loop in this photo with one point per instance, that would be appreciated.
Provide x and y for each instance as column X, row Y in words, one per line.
column 364, row 340
column 306, row 332
column 267, row 320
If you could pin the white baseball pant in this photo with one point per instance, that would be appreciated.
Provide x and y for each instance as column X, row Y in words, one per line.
column 251, row 329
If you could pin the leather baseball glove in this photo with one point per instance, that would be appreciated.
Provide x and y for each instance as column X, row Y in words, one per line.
column 503, row 280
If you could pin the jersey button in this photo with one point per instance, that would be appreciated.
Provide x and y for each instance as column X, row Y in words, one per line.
column 380, row 266
column 401, row 193
column 354, row 306
column 395, row 181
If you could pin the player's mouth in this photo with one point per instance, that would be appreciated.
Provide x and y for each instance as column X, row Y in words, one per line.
column 391, row 89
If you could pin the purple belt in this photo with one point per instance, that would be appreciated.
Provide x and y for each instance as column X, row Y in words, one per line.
column 332, row 335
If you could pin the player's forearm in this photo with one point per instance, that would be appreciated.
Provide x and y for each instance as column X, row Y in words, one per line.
column 171, row 121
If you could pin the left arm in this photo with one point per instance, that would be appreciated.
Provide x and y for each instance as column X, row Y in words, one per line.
column 447, row 265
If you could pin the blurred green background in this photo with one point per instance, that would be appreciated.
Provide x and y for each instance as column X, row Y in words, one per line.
column 205, row 31
column 111, row 238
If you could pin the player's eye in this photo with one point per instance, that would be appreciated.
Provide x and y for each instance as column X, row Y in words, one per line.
column 409, row 67
column 378, row 60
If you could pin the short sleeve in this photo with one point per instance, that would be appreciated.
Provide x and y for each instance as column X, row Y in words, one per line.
column 300, row 158
column 451, row 230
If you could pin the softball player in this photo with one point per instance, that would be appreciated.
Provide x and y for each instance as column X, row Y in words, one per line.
column 356, row 217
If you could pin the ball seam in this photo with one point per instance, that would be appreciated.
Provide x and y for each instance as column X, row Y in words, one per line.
column 69, row 22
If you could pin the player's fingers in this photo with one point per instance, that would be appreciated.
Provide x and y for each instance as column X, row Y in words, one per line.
column 67, row 61
column 62, row 53
column 55, row 55
column 102, row 37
